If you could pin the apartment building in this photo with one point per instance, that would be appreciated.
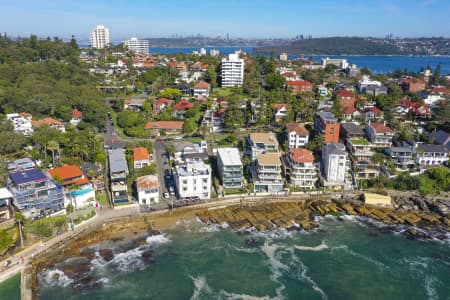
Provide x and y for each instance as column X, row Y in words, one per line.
column 118, row 171
column 193, row 180
column 266, row 173
column 335, row 165
column 326, row 123
column 402, row 156
column 232, row 71
column 100, row 37
column 138, row 46
column 299, row 166
column 259, row 143
column 230, row 167
column 297, row 135
column 379, row 134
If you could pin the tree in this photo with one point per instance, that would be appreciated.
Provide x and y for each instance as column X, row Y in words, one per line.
column 275, row 81
column 211, row 76
column 10, row 141
column 53, row 146
column 189, row 126
column 69, row 209
column 233, row 115
column 436, row 76
column 170, row 93
column 18, row 216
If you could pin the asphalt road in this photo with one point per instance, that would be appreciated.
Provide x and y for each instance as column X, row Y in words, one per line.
column 163, row 164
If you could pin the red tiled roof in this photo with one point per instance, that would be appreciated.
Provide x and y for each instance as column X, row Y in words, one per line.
column 301, row 155
column 148, row 181
column 48, row 121
column 345, row 94
column 163, row 101
column 348, row 110
column 298, row 128
column 67, row 172
column 298, row 83
column 76, row 114
column 441, row 90
column 202, row 85
column 279, row 106
column 165, row 125
column 183, row 104
column 415, row 107
column 380, row 127
column 140, row 153
column 288, row 74
column 25, row 114
column 373, row 109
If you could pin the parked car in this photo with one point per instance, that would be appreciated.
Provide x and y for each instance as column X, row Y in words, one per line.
column 172, row 190
column 166, row 195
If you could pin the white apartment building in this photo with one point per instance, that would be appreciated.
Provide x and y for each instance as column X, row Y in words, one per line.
column 431, row 155
column 266, row 173
column 297, row 135
column 193, row 180
column 299, row 164
column 335, row 164
column 232, row 72
column 147, row 189
column 138, row 46
column 230, row 167
column 100, row 37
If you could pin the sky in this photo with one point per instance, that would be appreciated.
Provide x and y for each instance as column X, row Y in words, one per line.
column 238, row 18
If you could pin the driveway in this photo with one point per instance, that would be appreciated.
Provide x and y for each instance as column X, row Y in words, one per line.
column 163, row 164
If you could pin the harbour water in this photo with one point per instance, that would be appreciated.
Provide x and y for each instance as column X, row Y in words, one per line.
column 348, row 259
column 10, row 289
column 377, row 64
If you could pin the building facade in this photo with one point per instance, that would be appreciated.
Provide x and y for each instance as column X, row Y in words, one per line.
column 297, row 135
column 138, row 46
column 193, row 180
column 230, row 167
column 147, row 189
column 118, row 171
column 100, row 37
column 299, row 165
column 335, row 165
column 266, row 173
column 232, row 71
column 259, row 143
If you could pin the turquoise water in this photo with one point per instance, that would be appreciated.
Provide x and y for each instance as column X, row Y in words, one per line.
column 81, row 192
column 10, row 289
column 341, row 260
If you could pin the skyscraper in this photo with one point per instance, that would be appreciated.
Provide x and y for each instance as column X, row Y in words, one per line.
column 100, row 37
column 137, row 45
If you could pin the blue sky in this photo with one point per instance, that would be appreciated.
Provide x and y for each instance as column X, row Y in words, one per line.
column 239, row 18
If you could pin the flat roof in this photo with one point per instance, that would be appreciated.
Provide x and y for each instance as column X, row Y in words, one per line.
column 229, row 156
column 267, row 138
column 5, row 193
column 117, row 161
column 269, row 159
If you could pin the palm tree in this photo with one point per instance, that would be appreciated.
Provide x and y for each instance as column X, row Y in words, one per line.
column 53, row 146
column 19, row 221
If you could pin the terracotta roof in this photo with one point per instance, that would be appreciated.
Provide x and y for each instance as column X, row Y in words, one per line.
column 165, row 125
column 67, row 172
column 298, row 128
column 348, row 110
column 147, row 181
column 202, row 85
column 345, row 94
column 25, row 114
column 380, row 127
column 301, row 155
column 441, row 90
column 76, row 114
column 373, row 109
column 415, row 107
column 140, row 153
column 48, row 121
column 288, row 74
column 298, row 83
column 183, row 104
column 163, row 101
column 279, row 106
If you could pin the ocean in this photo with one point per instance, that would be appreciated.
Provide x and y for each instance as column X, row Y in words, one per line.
column 377, row 64
column 342, row 259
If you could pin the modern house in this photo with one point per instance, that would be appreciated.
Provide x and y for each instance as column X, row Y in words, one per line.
column 35, row 193
column 230, row 167
column 266, row 173
column 118, row 172
column 335, row 165
column 379, row 135
column 79, row 191
column 259, row 143
column 22, row 124
column 169, row 127
column 297, row 135
column 299, row 166
column 403, row 157
column 193, row 180
column 21, row 164
column 232, row 71
column 430, row 155
column 371, row 87
column 147, row 189
column 351, row 130
column 140, row 157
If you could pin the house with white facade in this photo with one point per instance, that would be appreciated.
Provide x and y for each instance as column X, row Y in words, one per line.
column 297, row 135
column 201, row 89
column 147, row 189
column 22, row 123
column 193, row 180
column 141, row 157
column 430, row 155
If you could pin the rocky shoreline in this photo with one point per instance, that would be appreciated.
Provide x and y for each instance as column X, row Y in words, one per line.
column 420, row 217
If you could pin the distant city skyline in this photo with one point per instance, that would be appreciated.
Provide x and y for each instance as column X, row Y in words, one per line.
column 236, row 18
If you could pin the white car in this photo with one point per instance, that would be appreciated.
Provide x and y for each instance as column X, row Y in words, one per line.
column 171, row 190
column 166, row 195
